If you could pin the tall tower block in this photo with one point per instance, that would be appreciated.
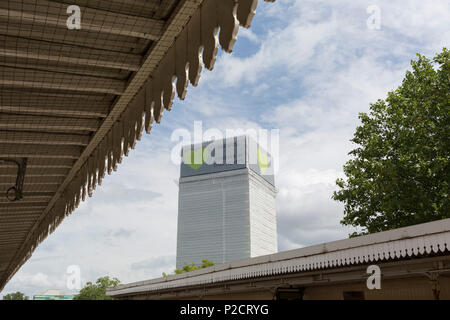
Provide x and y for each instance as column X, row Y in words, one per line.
column 226, row 202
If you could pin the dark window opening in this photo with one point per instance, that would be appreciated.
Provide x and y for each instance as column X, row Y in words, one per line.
column 291, row 293
column 353, row 295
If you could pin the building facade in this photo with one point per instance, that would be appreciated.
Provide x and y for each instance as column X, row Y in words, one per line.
column 54, row 295
column 226, row 209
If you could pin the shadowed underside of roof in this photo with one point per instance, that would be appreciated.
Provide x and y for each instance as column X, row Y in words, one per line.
column 73, row 102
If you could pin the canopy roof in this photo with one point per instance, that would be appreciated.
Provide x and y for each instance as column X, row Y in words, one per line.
column 73, row 102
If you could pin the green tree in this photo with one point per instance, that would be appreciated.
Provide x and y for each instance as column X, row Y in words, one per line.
column 15, row 296
column 97, row 290
column 399, row 173
column 191, row 267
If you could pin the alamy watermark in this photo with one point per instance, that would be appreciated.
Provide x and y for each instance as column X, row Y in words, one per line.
column 73, row 281
column 374, row 280
column 74, row 20
column 216, row 147
column 374, row 20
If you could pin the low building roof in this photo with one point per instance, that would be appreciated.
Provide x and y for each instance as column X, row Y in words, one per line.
column 413, row 241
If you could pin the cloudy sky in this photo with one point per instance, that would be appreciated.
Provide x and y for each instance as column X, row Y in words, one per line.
column 307, row 68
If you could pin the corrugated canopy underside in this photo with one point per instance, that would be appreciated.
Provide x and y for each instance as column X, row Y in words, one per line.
column 73, row 102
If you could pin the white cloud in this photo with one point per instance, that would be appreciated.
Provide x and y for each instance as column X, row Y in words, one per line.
column 248, row 34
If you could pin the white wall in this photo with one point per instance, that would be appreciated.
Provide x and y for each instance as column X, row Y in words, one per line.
column 213, row 218
column 263, row 226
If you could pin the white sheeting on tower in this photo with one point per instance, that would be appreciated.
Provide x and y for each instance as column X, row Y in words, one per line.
column 225, row 212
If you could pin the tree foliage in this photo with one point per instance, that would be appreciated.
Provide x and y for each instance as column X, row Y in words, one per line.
column 191, row 267
column 97, row 290
column 15, row 296
column 399, row 173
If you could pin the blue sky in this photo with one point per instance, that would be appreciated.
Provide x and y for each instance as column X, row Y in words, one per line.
column 306, row 68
